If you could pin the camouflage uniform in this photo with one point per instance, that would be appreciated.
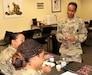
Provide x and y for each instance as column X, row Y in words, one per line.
column 27, row 72
column 5, row 60
column 76, row 28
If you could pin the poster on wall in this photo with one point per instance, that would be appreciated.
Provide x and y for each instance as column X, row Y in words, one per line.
column 12, row 8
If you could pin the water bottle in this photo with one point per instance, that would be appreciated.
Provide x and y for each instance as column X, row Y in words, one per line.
column 63, row 63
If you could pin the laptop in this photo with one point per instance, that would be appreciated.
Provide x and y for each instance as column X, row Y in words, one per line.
column 6, row 39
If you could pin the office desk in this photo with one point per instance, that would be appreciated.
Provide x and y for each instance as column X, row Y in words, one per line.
column 72, row 67
column 54, row 71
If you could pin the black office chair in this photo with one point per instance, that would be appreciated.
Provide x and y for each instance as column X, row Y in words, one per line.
column 90, row 33
column 90, row 26
column 1, row 73
column 87, row 24
column 90, row 23
column 37, row 32
column 85, row 42
column 46, row 30
column 28, row 34
column 6, row 39
column 45, row 33
column 88, row 41
column 55, row 45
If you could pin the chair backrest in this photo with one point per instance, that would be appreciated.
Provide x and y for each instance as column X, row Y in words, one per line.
column 37, row 31
column 90, row 23
column 86, row 22
column 1, row 73
column 28, row 34
column 7, row 36
column 46, row 30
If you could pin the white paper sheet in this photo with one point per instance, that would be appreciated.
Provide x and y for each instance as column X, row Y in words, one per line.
column 68, row 73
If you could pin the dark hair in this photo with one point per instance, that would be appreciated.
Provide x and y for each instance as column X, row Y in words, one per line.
column 73, row 3
column 25, row 51
column 14, row 36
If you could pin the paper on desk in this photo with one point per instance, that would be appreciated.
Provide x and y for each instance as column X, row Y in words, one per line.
column 68, row 73
column 48, row 63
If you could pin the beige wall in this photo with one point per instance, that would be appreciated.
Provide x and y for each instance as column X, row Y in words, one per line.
column 86, row 9
column 30, row 11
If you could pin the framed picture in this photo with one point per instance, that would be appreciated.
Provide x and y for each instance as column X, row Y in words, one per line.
column 12, row 8
column 56, row 5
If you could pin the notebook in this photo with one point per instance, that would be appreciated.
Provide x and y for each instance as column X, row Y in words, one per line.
column 73, row 66
column 79, row 68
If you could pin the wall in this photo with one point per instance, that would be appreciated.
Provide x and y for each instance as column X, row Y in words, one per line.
column 87, row 9
column 30, row 11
